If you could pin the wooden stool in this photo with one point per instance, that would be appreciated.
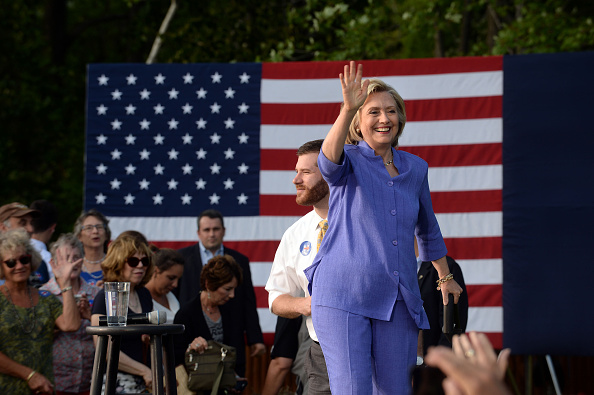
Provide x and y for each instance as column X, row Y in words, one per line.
column 111, row 359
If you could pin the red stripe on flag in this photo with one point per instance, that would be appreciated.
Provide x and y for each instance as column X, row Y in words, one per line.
column 261, row 297
column 280, row 205
column 467, row 201
column 474, row 247
column 383, row 68
column 443, row 202
column 484, row 295
column 416, row 110
column 458, row 155
column 496, row 339
column 264, row 250
column 436, row 156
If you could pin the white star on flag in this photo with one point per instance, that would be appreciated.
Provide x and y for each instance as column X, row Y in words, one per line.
column 201, row 154
column 116, row 124
column 188, row 78
column 215, row 169
column 158, row 109
column 200, row 184
column 130, row 139
column 216, row 78
column 157, row 199
column 130, row 109
column 187, row 138
column 145, row 94
column 173, row 93
column 144, row 184
column 116, row 154
column 144, row 154
column 101, row 169
column 215, row 108
column 173, row 154
column 243, row 138
column 100, row 199
column 129, row 199
column 228, row 183
column 187, row 169
column 159, row 139
column 101, row 139
column 101, row 110
column 131, row 79
column 229, row 93
column 159, row 79
column 229, row 153
column 215, row 138
column 115, row 183
column 172, row 184
column 144, row 124
column 243, row 108
column 214, row 198
column 103, row 79
column 242, row 199
column 244, row 78
column 159, row 169
column 186, row 199
column 201, row 93
column 130, row 169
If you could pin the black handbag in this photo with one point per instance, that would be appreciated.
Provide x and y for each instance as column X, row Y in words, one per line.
column 212, row 370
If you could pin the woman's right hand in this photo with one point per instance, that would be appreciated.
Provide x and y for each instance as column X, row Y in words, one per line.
column 198, row 344
column 353, row 92
column 147, row 376
column 39, row 384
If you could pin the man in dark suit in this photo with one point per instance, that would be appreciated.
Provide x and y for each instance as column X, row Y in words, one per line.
column 211, row 230
column 433, row 302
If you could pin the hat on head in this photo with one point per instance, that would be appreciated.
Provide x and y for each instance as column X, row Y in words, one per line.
column 16, row 210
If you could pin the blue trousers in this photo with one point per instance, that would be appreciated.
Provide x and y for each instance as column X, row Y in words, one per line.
column 367, row 356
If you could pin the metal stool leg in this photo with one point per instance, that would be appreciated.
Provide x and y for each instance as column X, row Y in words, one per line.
column 99, row 365
column 113, row 361
column 169, row 362
column 157, row 364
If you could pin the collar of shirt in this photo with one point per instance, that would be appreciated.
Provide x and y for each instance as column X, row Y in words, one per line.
column 370, row 153
column 207, row 255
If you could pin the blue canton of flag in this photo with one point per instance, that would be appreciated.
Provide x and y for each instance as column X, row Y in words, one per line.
column 173, row 139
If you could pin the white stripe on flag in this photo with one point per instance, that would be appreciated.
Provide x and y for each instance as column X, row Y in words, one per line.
column 485, row 319
column 260, row 273
column 481, row 271
column 487, row 224
column 420, row 133
column 410, row 87
column 441, row 179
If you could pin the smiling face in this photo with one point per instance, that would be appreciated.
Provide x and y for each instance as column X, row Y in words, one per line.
column 20, row 272
column 311, row 187
column 167, row 280
column 379, row 120
column 134, row 274
column 93, row 233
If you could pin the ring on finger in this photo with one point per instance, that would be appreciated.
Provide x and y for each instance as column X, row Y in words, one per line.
column 469, row 353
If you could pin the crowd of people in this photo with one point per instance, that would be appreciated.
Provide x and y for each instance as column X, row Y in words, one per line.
column 353, row 281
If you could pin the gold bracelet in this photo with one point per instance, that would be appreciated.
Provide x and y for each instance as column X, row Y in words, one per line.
column 443, row 280
column 66, row 289
column 30, row 376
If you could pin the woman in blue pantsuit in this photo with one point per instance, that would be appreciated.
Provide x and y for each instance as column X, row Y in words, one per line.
column 366, row 305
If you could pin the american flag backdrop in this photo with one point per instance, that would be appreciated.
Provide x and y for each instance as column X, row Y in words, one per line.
column 167, row 141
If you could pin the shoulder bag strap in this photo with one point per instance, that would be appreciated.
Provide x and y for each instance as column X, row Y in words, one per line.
column 219, row 376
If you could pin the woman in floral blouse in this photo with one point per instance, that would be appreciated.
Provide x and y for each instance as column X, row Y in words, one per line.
column 29, row 316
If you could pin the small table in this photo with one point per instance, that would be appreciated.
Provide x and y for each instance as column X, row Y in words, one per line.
column 111, row 359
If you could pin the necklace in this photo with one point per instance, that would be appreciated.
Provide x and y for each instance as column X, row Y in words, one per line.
column 16, row 313
column 95, row 276
column 205, row 306
column 95, row 262
column 388, row 163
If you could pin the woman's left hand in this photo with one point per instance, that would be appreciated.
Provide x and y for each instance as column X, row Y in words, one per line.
column 63, row 266
column 451, row 287
column 257, row 349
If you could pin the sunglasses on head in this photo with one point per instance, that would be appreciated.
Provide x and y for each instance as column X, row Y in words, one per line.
column 133, row 261
column 24, row 259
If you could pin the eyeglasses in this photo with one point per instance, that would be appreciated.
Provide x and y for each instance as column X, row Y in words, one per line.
column 133, row 261
column 89, row 228
column 24, row 259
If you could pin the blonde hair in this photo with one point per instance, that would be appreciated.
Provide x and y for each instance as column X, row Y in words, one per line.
column 376, row 86
column 122, row 248
column 15, row 239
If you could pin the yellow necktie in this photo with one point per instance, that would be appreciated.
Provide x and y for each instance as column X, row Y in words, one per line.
column 323, row 228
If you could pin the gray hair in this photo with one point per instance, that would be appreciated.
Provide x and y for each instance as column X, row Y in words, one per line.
column 67, row 239
column 15, row 239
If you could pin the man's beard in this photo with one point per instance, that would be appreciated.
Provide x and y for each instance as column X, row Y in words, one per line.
column 313, row 195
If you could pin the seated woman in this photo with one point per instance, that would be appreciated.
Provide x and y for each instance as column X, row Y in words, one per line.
column 169, row 267
column 206, row 316
column 129, row 260
column 28, row 316
column 73, row 351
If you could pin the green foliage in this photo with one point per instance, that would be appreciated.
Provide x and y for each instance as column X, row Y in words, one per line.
column 47, row 44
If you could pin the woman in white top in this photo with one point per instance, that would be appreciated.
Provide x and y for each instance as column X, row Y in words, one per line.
column 169, row 267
